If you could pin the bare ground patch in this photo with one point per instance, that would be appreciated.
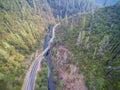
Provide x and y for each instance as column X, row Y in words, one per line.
column 66, row 71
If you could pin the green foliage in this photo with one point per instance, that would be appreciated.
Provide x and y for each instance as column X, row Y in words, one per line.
column 60, row 84
column 42, row 82
column 21, row 28
column 94, row 39
column 99, row 84
column 70, row 7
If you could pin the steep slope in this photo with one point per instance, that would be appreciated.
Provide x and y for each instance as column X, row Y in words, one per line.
column 21, row 26
column 93, row 38
column 63, row 8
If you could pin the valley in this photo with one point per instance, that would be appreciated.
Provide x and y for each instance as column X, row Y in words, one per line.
column 59, row 45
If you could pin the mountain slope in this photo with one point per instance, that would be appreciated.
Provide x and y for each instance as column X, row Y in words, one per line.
column 22, row 25
column 21, row 28
column 63, row 8
column 94, row 41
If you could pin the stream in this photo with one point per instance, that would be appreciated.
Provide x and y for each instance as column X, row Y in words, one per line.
column 47, row 57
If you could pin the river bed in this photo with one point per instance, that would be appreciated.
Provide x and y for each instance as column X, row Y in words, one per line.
column 47, row 57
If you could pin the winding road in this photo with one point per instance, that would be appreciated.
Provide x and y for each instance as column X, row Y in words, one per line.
column 30, row 78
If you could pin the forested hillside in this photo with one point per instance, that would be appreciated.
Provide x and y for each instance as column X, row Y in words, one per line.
column 93, row 39
column 22, row 25
column 63, row 8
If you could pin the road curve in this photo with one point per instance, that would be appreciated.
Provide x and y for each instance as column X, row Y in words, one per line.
column 30, row 78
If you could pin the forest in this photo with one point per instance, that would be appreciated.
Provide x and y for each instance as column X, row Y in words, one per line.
column 22, row 25
column 90, row 32
column 94, row 40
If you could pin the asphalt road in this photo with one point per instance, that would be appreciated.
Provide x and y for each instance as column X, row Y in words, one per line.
column 30, row 78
